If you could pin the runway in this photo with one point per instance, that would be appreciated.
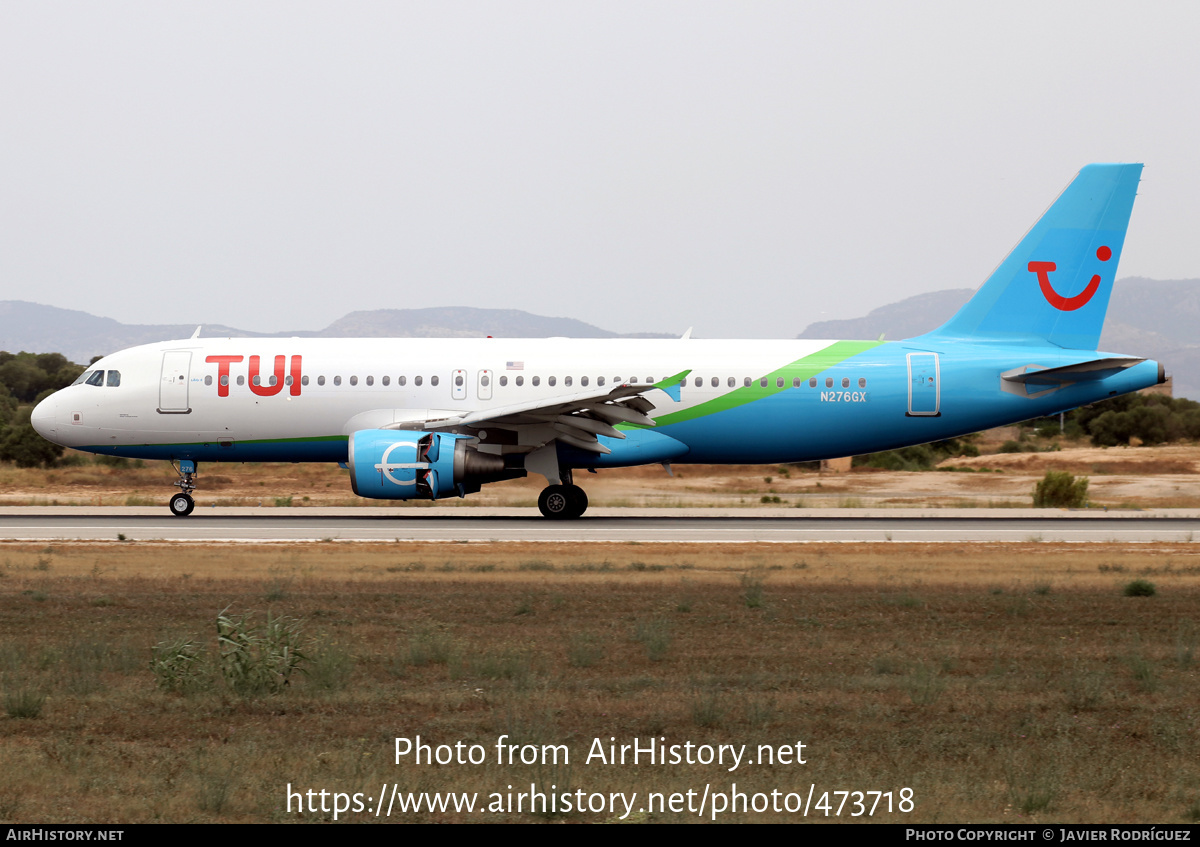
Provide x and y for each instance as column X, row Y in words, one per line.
column 457, row 524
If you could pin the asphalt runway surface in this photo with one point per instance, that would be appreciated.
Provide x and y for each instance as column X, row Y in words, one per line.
column 600, row 525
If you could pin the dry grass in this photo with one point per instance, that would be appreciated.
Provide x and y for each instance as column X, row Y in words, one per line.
column 1146, row 477
column 1001, row 683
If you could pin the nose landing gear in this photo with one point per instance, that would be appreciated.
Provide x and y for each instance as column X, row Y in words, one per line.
column 181, row 504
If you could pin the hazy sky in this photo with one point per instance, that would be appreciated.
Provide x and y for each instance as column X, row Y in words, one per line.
column 745, row 168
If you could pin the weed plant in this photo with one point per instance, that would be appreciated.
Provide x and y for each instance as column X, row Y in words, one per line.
column 23, row 701
column 259, row 659
column 655, row 636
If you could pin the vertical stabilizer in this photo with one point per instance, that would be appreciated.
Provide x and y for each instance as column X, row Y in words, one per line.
column 1055, row 285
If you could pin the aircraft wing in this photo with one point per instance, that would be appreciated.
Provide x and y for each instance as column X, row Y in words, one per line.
column 576, row 418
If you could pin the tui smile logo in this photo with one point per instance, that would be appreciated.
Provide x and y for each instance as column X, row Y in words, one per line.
column 1067, row 304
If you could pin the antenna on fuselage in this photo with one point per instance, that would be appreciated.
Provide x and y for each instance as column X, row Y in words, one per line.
column 196, row 334
column 686, row 335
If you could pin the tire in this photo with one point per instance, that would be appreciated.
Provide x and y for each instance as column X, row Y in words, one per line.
column 556, row 502
column 579, row 500
column 181, row 505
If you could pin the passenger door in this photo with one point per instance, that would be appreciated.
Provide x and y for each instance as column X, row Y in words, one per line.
column 924, row 385
column 173, row 387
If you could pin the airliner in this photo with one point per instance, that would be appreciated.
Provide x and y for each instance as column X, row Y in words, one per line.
column 415, row 418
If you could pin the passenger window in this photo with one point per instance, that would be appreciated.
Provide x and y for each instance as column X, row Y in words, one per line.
column 401, row 381
column 273, row 380
column 550, row 381
column 731, row 382
column 287, row 380
column 387, row 380
column 633, row 380
column 795, row 382
column 812, row 382
column 599, row 380
column 716, row 380
column 207, row 380
column 699, row 381
column 746, row 382
column 256, row 380
column 304, row 380
column 845, row 382
column 862, row 382
column 458, row 380
column 829, row 382
column 537, row 380
column 567, row 381
column 97, row 378
column 370, row 380
column 320, row 380
column 503, row 381
column 225, row 379
column 762, row 383
column 241, row 380
column 433, row 380
column 520, row 380
column 416, row 380
column 583, row 380
column 354, row 380
column 650, row 380
column 779, row 382
column 337, row 380
column 484, row 381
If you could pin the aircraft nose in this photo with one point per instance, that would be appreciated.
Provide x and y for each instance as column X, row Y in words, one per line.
column 44, row 418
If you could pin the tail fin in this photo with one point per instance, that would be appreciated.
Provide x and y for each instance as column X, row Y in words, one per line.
column 1055, row 284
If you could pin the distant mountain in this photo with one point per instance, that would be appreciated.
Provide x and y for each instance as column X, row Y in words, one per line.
column 903, row 319
column 1157, row 319
column 80, row 336
column 458, row 322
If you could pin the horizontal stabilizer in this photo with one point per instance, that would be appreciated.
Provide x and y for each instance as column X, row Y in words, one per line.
column 1080, row 372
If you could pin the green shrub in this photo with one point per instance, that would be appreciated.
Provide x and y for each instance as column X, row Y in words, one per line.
column 1059, row 489
column 1140, row 588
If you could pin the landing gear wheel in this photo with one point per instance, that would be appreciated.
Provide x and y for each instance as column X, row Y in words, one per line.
column 182, row 505
column 579, row 501
column 562, row 502
column 554, row 502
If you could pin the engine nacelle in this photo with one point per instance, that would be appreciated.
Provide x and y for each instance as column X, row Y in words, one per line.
column 391, row 464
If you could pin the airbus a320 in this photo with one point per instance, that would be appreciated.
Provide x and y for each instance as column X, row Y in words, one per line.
column 418, row 418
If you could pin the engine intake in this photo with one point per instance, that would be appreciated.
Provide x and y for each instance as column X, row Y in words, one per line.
column 389, row 464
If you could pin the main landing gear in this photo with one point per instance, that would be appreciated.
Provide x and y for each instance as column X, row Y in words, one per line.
column 563, row 502
column 181, row 504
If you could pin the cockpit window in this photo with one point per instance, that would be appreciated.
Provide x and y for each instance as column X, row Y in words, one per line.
column 97, row 378
column 114, row 379
column 79, row 380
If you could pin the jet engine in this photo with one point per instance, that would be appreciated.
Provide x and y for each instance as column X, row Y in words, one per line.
column 389, row 464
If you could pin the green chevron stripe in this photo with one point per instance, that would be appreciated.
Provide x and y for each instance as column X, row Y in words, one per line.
column 805, row 368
